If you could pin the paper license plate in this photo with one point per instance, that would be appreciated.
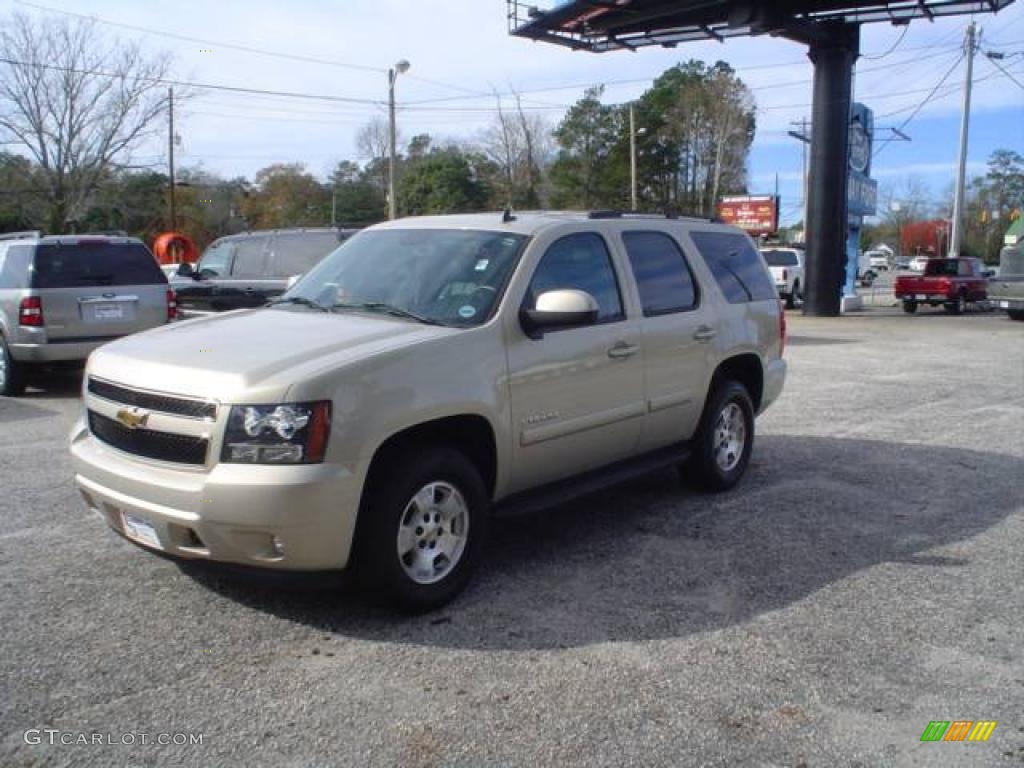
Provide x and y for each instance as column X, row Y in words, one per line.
column 921, row 297
column 108, row 312
column 1004, row 305
column 141, row 531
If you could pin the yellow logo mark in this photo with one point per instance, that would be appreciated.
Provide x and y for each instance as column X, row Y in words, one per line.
column 132, row 419
column 982, row 730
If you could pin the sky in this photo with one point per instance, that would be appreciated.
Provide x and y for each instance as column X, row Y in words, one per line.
column 461, row 53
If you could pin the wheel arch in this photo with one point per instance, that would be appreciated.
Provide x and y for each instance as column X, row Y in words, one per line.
column 747, row 369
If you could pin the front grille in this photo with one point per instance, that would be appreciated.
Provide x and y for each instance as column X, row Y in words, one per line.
column 179, row 406
column 164, row 446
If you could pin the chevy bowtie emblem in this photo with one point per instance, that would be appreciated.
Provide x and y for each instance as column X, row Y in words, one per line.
column 133, row 419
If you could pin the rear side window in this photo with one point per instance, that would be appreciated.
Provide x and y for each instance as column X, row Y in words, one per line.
column 250, row 257
column 14, row 266
column 582, row 262
column 736, row 265
column 662, row 274
column 298, row 253
column 82, row 264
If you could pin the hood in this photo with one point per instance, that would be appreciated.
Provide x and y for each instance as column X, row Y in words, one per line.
column 254, row 353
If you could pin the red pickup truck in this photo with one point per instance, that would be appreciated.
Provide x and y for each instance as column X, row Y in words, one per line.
column 949, row 282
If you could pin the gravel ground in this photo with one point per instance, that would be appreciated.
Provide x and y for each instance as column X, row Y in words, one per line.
column 865, row 579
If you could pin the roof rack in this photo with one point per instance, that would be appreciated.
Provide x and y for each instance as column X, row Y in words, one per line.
column 616, row 214
column 30, row 234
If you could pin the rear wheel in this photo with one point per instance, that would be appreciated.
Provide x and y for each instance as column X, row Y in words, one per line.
column 795, row 297
column 910, row 307
column 12, row 373
column 957, row 306
column 1015, row 314
column 422, row 528
column 725, row 438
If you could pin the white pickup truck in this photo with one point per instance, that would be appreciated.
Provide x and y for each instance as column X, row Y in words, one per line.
column 787, row 268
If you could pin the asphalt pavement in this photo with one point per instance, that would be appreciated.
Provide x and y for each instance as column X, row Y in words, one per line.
column 864, row 580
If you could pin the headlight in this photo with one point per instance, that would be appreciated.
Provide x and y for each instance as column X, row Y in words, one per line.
column 289, row 433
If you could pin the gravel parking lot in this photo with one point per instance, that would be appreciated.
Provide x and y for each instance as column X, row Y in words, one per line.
column 864, row 580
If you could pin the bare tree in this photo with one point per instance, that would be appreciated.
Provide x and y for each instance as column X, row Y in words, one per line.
column 373, row 143
column 519, row 145
column 77, row 104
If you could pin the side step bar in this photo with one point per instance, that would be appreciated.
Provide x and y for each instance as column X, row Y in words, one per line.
column 562, row 491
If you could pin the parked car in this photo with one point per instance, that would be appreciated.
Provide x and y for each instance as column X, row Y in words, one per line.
column 61, row 297
column 428, row 373
column 918, row 263
column 247, row 270
column 953, row 283
column 902, row 262
column 787, row 269
column 1006, row 289
column 878, row 260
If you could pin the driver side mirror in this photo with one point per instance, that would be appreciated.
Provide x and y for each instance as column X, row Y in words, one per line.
column 565, row 308
column 185, row 270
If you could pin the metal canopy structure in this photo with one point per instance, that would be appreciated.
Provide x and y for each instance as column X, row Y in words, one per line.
column 830, row 29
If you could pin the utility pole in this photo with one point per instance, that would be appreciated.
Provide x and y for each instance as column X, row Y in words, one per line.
column 632, row 156
column 170, row 157
column 956, row 237
column 400, row 68
column 804, row 138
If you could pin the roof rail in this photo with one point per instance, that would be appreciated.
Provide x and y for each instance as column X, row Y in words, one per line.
column 670, row 214
column 29, row 234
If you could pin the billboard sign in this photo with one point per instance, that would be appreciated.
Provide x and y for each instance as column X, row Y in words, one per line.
column 757, row 214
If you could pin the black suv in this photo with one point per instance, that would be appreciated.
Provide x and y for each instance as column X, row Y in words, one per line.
column 246, row 270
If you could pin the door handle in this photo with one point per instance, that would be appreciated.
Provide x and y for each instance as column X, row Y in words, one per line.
column 705, row 333
column 623, row 350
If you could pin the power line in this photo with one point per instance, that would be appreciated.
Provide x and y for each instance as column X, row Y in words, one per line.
column 1006, row 72
column 192, row 84
column 920, row 106
column 203, row 41
column 895, row 45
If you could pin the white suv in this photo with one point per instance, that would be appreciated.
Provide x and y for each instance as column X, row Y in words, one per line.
column 428, row 374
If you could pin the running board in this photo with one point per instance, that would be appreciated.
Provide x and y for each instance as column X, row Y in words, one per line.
column 562, row 491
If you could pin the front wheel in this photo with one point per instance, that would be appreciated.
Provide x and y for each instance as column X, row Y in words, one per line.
column 12, row 373
column 910, row 307
column 422, row 528
column 725, row 438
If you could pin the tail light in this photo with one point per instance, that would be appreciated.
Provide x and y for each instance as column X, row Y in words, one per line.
column 30, row 312
column 782, row 329
column 172, row 305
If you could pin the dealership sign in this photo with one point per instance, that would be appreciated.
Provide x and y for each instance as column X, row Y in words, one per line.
column 757, row 214
column 861, row 189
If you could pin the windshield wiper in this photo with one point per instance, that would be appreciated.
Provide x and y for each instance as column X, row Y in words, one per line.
column 301, row 301
column 388, row 309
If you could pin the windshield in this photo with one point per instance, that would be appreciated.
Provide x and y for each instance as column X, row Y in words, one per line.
column 781, row 258
column 941, row 267
column 453, row 277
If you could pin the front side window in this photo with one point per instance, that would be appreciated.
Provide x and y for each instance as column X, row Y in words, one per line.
column 216, row 260
column 736, row 266
column 582, row 262
column 662, row 275
column 452, row 277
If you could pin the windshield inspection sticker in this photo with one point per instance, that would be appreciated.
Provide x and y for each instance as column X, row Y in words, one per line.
column 466, row 311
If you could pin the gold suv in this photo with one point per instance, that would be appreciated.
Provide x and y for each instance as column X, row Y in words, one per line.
column 427, row 375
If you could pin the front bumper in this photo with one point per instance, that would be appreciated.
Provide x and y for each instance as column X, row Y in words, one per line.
column 299, row 518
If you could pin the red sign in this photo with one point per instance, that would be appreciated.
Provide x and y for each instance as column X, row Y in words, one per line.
column 757, row 214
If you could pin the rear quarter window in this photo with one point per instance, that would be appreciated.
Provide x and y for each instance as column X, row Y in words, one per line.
column 250, row 257
column 79, row 265
column 15, row 267
column 736, row 265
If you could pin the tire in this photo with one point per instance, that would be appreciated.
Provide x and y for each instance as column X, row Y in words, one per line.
column 957, row 306
column 12, row 373
column 910, row 307
column 795, row 298
column 712, row 466
column 408, row 484
column 1015, row 314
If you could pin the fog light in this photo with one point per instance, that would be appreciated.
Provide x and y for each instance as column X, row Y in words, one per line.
column 277, row 545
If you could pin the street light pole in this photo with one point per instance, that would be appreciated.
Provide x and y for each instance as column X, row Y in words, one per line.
column 399, row 68
column 632, row 156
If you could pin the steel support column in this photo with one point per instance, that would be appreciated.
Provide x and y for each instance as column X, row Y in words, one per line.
column 834, row 53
